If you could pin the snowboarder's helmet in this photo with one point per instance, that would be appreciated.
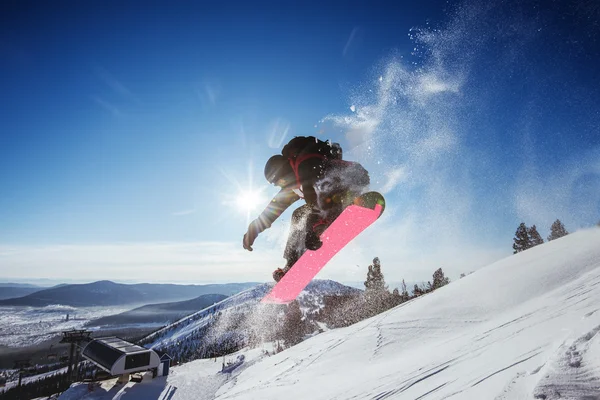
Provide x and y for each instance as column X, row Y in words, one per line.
column 277, row 170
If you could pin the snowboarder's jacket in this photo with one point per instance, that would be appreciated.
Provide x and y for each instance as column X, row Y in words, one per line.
column 310, row 159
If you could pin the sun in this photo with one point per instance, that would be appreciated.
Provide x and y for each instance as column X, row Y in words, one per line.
column 249, row 200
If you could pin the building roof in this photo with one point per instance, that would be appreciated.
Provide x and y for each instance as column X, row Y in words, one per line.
column 106, row 351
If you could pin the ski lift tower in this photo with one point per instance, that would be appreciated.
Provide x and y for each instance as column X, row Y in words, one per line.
column 74, row 337
column 21, row 365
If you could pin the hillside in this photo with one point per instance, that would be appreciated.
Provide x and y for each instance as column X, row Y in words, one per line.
column 9, row 292
column 238, row 315
column 522, row 328
column 162, row 314
column 107, row 293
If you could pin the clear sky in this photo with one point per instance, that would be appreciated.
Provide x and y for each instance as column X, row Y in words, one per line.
column 132, row 137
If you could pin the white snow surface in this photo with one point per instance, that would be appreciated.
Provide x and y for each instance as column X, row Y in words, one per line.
column 525, row 327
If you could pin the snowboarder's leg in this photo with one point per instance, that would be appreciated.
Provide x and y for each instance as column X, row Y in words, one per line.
column 315, row 225
column 309, row 222
column 295, row 245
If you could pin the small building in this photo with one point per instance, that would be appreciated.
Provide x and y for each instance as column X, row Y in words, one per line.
column 232, row 365
column 119, row 357
column 165, row 364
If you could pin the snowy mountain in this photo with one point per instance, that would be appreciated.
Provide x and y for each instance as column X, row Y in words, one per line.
column 9, row 290
column 186, row 333
column 107, row 293
column 522, row 328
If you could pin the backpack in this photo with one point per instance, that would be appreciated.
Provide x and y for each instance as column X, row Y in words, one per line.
column 302, row 148
column 305, row 145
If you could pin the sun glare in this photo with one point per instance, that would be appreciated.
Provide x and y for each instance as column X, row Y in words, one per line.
column 249, row 200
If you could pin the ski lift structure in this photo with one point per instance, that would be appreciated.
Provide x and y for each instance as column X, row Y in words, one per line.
column 119, row 357
column 75, row 338
column 51, row 356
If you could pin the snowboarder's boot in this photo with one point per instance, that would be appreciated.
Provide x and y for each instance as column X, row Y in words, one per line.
column 278, row 274
column 369, row 200
column 312, row 241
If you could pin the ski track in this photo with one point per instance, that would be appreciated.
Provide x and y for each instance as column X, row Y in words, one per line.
column 574, row 371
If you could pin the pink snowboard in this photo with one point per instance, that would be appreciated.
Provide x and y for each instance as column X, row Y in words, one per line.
column 351, row 222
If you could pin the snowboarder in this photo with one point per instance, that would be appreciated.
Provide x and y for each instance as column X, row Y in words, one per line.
column 313, row 170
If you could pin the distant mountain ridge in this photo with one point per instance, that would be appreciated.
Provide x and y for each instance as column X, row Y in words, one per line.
column 108, row 293
column 21, row 285
column 163, row 313
column 9, row 292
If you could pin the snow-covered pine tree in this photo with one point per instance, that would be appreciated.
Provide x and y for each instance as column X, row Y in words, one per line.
column 557, row 230
column 534, row 237
column 521, row 239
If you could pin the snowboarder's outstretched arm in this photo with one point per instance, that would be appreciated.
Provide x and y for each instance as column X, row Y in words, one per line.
column 282, row 200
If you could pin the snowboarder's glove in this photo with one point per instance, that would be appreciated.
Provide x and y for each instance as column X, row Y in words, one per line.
column 250, row 236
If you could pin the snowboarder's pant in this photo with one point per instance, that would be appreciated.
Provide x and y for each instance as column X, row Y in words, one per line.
column 308, row 223
column 336, row 190
column 306, row 220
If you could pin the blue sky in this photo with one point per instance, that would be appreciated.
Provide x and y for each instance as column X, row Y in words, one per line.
column 129, row 132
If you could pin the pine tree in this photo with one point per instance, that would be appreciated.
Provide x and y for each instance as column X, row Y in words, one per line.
column 521, row 239
column 340, row 310
column 557, row 230
column 376, row 296
column 375, row 280
column 293, row 328
column 396, row 297
column 534, row 237
column 439, row 279
column 404, row 295
column 417, row 291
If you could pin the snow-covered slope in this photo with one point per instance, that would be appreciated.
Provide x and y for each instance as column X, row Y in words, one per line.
column 523, row 328
column 245, row 302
